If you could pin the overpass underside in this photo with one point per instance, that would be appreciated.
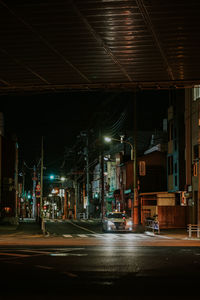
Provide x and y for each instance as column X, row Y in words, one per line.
column 96, row 44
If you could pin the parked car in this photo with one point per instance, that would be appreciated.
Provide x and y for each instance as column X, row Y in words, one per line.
column 117, row 221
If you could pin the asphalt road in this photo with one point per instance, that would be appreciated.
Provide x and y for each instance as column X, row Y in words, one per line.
column 76, row 262
column 106, row 272
column 71, row 227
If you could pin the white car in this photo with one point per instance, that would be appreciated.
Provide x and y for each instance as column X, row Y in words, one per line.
column 117, row 221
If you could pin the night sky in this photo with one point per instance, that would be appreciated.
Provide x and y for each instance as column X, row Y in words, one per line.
column 60, row 117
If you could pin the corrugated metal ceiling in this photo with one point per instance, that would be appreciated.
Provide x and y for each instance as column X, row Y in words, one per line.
column 97, row 44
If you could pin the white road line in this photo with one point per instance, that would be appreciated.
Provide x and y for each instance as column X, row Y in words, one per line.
column 67, row 235
column 82, row 227
column 34, row 251
column 68, row 254
column 100, row 236
column 70, row 274
column 44, row 267
column 83, row 235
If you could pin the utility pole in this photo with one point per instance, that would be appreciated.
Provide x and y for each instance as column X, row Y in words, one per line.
column 23, row 190
column 16, row 180
column 76, row 197
column 86, row 153
column 198, row 203
column 41, row 187
column 135, row 206
column 101, row 173
column 87, row 176
column 23, row 182
column 102, row 183
column 34, row 210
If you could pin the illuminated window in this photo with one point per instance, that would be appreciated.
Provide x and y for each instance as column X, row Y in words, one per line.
column 196, row 92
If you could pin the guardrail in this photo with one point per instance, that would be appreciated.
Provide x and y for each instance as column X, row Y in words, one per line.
column 152, row 224
column 193, row 228
column 81, row 216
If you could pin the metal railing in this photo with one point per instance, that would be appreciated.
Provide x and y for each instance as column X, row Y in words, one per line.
column 193, row 228
column 153, row 225
column 81, row 216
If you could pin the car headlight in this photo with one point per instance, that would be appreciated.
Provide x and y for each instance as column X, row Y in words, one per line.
column 110, row 223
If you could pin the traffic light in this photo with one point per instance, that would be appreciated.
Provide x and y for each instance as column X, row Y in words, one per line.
column 52, row 177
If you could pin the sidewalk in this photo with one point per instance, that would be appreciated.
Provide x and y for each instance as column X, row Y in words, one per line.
column 175, row 233
column 25, row 227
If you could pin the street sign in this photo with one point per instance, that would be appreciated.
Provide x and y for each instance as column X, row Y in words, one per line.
column 38, row 187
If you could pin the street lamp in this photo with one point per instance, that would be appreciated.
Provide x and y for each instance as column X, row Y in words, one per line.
column 135, row 208
column 109, row 139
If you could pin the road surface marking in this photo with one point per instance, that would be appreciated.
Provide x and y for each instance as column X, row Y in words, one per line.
column 67, row 235
column 100, row 236
column 34, row 251
column 65, row 249
column 68, row 254
column 82, row 228
column 83, row 235
column 70, row 274
column 44, row 267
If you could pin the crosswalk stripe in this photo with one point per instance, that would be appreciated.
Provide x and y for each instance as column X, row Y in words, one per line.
column 101, row 236
column 67, row 235
column 83, row 235
column 111, row 236
column 96, row 235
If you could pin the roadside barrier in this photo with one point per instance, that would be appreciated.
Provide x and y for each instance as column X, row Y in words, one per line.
column 153, row 225
column 81, row 216
column 193, row 228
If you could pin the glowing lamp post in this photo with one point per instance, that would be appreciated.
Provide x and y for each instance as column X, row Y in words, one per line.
column 133, row 158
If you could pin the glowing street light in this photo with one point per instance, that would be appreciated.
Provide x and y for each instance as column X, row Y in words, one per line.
column 133, row 158
column 109, row 139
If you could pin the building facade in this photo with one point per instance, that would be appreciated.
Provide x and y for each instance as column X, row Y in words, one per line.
column 192, row 153
column 8, row 180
